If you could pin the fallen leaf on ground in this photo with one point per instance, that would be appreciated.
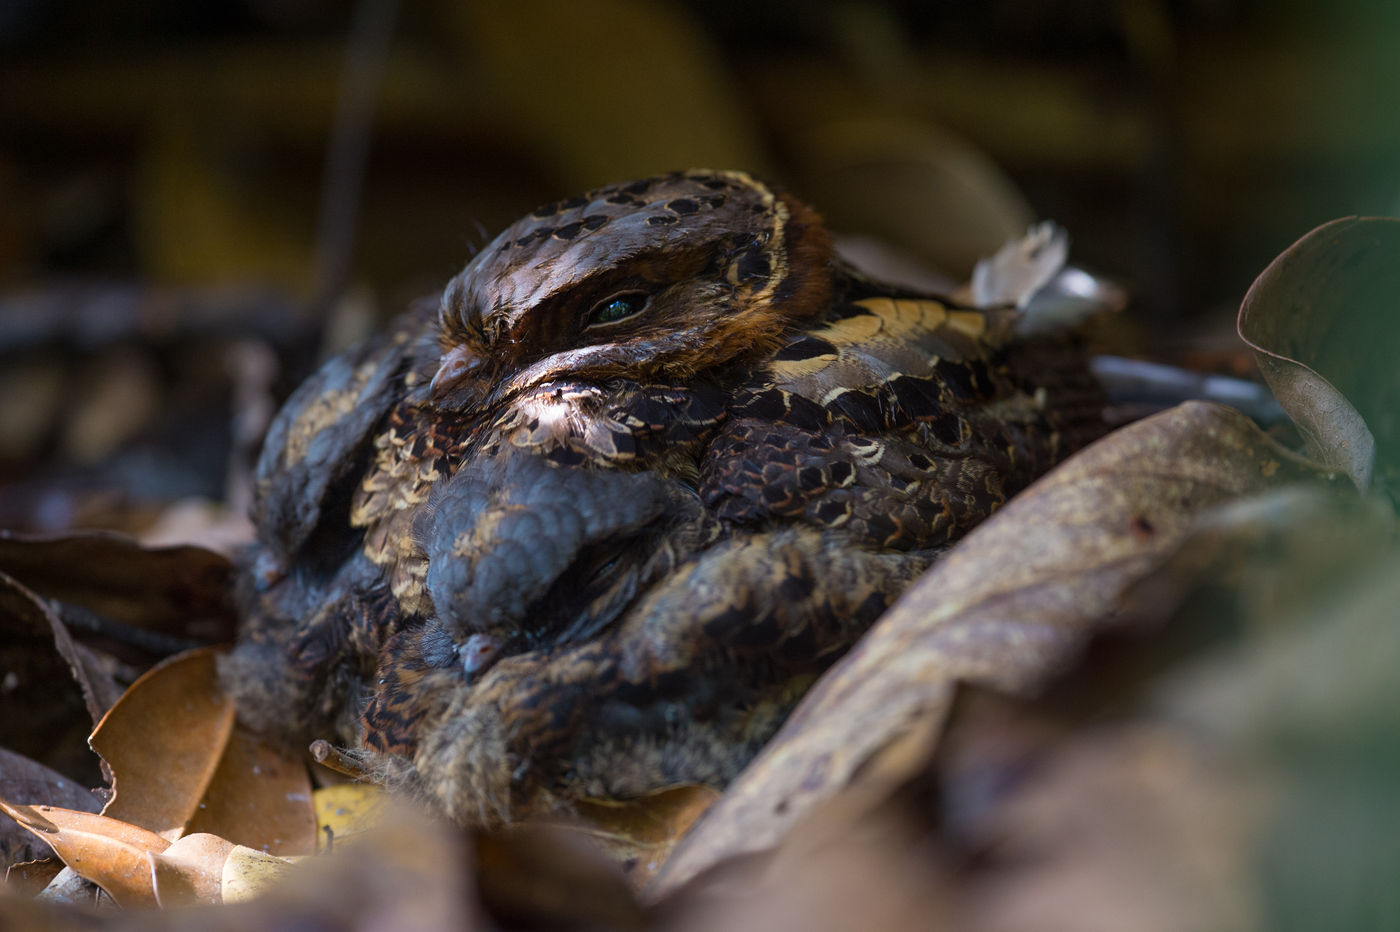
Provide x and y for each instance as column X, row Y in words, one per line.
column 1155, row 807
column 1092, row 807
column 52, row 690
column 113, row 854
column 409, row 873
column 639, row 834
column 28, row 878
column 1266, row 554
column 413, row 875
column 163, row 741
column 258, row 797
column 18, row 601
column 856, row 869
column 176, row 590
column 249, row 873
column 344, row 812
column 191, row 871
column 68, row 887
column 25, row 781
column 181, row 766
column 140, row 868
column 1008, row 608
column 1323, row 323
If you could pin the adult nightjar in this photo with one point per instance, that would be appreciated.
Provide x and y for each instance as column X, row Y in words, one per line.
column 590, row 524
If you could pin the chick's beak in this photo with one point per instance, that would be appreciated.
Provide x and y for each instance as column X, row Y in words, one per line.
column 458, row 364
column 479, row 653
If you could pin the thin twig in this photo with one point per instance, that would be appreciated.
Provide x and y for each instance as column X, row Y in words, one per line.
column 328, row 755
column 152, row 642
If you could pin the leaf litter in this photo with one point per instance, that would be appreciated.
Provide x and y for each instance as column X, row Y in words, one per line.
column 1322, row 322
column 163, row 741
column 192, row 794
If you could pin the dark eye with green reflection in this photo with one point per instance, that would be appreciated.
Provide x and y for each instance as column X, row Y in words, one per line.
column 618, row 307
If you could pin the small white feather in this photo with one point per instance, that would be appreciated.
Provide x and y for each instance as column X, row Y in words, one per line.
column 1021, row 267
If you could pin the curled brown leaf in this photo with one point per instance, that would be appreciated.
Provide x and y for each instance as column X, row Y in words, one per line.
column 163, row 741
column 1323, row 324
column 113, row 854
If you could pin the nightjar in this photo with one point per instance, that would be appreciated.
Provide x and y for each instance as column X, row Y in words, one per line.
column 590, row 524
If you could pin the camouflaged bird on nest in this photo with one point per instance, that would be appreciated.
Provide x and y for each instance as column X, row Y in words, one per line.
column 591, row 525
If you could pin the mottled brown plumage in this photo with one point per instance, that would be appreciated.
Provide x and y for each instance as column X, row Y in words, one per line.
column 592, row 524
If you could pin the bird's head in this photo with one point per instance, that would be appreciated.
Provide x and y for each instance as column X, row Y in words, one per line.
column 656, row 280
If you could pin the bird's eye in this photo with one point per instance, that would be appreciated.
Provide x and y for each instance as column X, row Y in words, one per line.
column 616, row 308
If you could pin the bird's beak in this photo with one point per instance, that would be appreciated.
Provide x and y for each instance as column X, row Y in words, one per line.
column 480, row 653
column 458, row 364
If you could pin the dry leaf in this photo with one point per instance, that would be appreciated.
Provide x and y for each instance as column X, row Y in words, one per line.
column 1008, row 608
column 413, row 875
column 1323, row 323
column 113, row 854
column 1265, row 798
column 163, row 741
column 639, row 834
column 1268, row 553
column 258, row 797
column 1153, row 825
column 177, row 590
column 136, row 867
column 345, row 811
column 28, row 878
column 180, row 765
column 410, row 873
column 247, row 874
column 25, row 781
column 51, row 689
column 855, row 870
column 22, row 605
column 190, row 872
column 70, row 888
column 1045, row 822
